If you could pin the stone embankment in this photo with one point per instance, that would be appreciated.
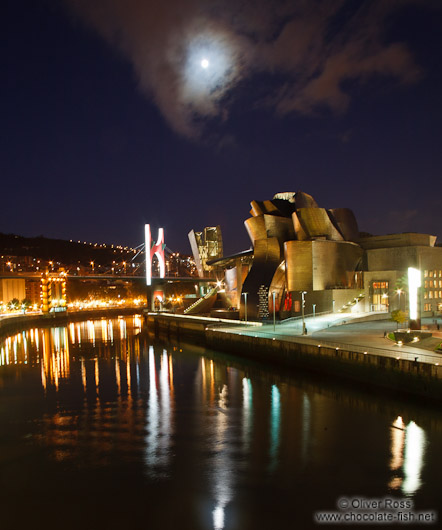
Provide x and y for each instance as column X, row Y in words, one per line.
column 401, row 375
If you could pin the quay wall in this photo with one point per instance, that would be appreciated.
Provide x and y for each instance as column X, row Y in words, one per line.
column 401, row 375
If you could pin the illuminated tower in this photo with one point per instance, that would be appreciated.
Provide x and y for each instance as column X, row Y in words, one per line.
column 53, row 292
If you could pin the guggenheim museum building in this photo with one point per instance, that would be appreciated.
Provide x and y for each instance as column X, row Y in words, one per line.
column 303, row 252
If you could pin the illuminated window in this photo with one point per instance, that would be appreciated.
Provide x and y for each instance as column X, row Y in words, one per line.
column 380, row 296
column 431, row 283
column 430, row 294
column 425, row 284
column 427, row 307
column 439, row 307
column 426, row 274
column 431, row 274
column 440, row 274
column 425, row 294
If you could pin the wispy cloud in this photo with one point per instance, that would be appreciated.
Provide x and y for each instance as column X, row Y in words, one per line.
column 314, row 46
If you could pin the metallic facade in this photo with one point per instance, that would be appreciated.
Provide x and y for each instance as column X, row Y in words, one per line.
column 317, row 250
column 267, row 257
column 319, row 265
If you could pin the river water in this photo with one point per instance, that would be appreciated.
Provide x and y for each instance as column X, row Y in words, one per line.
column 101, row 427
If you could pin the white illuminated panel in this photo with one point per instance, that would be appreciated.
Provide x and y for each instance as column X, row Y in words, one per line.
column 147, row 242
column 414, row 282
column 156, row 249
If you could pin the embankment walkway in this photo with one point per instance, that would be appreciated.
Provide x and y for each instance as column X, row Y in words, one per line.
column 356, row 351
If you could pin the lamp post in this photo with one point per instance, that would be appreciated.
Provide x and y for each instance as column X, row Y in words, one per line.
column 333, row 306
column 245, row 306
column 274, row 311
column 314, row 310
column 303, row 293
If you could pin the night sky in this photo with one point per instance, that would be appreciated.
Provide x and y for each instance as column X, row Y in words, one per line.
column 110, row 120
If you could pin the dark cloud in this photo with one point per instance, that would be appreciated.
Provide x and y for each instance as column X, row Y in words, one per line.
column 314, row 45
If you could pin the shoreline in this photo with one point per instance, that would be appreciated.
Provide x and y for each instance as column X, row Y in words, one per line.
column 418, row 379
column 19, row 323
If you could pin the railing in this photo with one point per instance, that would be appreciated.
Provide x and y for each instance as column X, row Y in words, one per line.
column 306, row 315
column 212, row 321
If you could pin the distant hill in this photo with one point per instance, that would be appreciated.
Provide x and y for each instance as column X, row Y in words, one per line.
column 60, row 250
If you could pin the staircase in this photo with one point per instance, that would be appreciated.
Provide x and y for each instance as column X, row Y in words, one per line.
column 204, row 304
column 346, row 308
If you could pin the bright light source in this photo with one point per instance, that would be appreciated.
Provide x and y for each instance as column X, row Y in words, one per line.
column 414, row 281
column 205, row 63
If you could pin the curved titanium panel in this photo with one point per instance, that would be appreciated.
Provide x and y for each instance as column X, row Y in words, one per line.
column 300, row 233
column 256, row 228
column 304, row 200
column 319, row 265
column 299, row 265
column 332, row 263
column 346, row 221
column 279, row 227
column 256, row 209
column 316, row 223
column 278, row 287
column 262, row 207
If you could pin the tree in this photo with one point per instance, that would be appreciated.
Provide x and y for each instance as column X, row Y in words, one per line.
column 401, row 289
column 398, row 316
column 402, row 283
column 25, row 303
column 13, row 304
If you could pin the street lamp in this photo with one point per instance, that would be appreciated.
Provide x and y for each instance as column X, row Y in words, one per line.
column 333, row 306
column 314, row 310
column 303, row 293
column 274, row 313
column 245, row 306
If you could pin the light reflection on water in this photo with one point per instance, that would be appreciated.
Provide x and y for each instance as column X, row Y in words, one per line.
column 275, row 420
column 110, row 399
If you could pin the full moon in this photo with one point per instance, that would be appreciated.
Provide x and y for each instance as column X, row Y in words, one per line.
column 205, row 63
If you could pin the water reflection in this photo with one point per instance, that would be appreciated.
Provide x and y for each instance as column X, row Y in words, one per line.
column 159, row 415
column 199, row 428
column 247, row 421
column 407, row 456
column 306, row 422
column 413, row 458
column 275, row 420
column 222, row 465
column 55, row 358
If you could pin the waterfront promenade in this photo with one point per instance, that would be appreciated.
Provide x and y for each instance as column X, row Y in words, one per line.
column 346, row 331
